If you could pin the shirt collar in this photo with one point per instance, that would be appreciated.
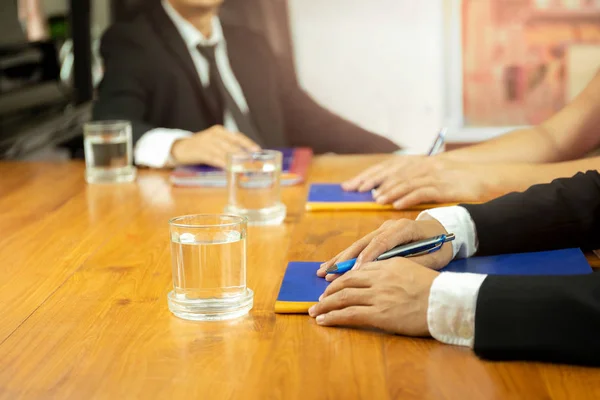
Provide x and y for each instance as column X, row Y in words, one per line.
column 192, row 36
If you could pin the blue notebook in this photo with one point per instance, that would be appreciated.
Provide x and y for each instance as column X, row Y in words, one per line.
column 331, row 196
column 301, row 287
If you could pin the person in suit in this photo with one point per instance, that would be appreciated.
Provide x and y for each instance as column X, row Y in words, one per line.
column 557, row 148
column 548, row 318
column 196, row 88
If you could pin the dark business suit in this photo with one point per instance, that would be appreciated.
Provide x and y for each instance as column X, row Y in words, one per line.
column 550, row 318
column 150, row 79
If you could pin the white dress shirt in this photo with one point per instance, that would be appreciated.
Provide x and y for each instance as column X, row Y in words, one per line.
column 154, row 147
column 453, row 296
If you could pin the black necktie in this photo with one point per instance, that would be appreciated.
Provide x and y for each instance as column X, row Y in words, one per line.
column 220, row 99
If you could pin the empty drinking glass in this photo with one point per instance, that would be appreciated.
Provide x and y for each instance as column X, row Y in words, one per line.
column 254, row 187
column 108, row 153
column 208, row 254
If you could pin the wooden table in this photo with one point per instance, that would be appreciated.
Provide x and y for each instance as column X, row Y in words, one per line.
column 84, row 274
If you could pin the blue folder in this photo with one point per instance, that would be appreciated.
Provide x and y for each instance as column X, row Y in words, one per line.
column 301, row 287
column 331, row 196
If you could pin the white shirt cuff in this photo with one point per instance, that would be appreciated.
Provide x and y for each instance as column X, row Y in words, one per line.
column 456, row 220
column 154, row 147
column 451, row 311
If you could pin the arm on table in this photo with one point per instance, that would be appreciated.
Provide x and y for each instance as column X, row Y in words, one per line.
column 496, row 167
column 502, row 317
column 124, row 90
column 547, row 318
column 564, row 213
column 124, row 94
column 154, row 148
column 567, row 135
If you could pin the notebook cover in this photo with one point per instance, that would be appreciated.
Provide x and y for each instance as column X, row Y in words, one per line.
column 295, row 163
column 331, row 197
column 301, row 287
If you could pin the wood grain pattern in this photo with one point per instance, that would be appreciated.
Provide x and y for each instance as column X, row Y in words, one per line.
column 83, row 281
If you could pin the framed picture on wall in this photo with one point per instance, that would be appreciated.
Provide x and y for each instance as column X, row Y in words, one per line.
column 514, row 63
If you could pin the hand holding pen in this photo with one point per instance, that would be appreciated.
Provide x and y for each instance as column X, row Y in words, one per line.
column 414, row 249
column 434, row 253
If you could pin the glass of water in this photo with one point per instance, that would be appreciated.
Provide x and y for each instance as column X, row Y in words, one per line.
column 208, row 255
column 254, row 186
column 108, row 153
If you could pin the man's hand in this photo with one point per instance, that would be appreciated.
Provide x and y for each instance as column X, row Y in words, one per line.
column 211, row 146
column 392, row 295
column 388, row 236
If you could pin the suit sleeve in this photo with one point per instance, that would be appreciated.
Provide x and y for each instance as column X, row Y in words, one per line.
column 124, row 89
column 309, row 124
column 562, row 214
column 545, row 318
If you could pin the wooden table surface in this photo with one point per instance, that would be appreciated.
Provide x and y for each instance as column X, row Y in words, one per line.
column 84, row 274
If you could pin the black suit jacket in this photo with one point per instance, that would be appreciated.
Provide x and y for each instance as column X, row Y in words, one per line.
column 550, row 318
column 151, row 80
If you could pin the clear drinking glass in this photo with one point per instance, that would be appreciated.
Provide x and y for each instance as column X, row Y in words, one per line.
column 108, row 153
column 208, row 254
column 254, row 187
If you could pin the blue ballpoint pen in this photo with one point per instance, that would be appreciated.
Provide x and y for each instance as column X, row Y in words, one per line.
column 421, row 247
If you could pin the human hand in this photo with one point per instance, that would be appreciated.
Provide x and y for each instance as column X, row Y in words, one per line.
column 211, row 146
column 377, row 174
column 441, row 180
column 392, row 295
column 388, row 236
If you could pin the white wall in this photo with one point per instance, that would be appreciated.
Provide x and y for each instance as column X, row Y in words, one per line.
column 378, row 63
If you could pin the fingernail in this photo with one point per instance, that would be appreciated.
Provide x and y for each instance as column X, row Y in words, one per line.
column 381, row 200
column 320, row 297
column 321, row 319
column 375, row 192
column 397, row 205
column 311, row 311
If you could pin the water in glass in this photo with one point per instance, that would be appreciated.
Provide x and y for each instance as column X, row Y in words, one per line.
column 254, row 187
column 209, row 267
column 204, row 269
column 108, row 153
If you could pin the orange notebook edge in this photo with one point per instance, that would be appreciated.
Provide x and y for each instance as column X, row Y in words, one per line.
column 367, row 206
column 293, row 307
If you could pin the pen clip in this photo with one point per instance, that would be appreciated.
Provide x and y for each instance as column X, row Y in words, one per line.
column 448, row 237
column 422, row 253
column 445, row 238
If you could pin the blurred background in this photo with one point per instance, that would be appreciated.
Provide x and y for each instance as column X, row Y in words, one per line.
column 401, row 68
